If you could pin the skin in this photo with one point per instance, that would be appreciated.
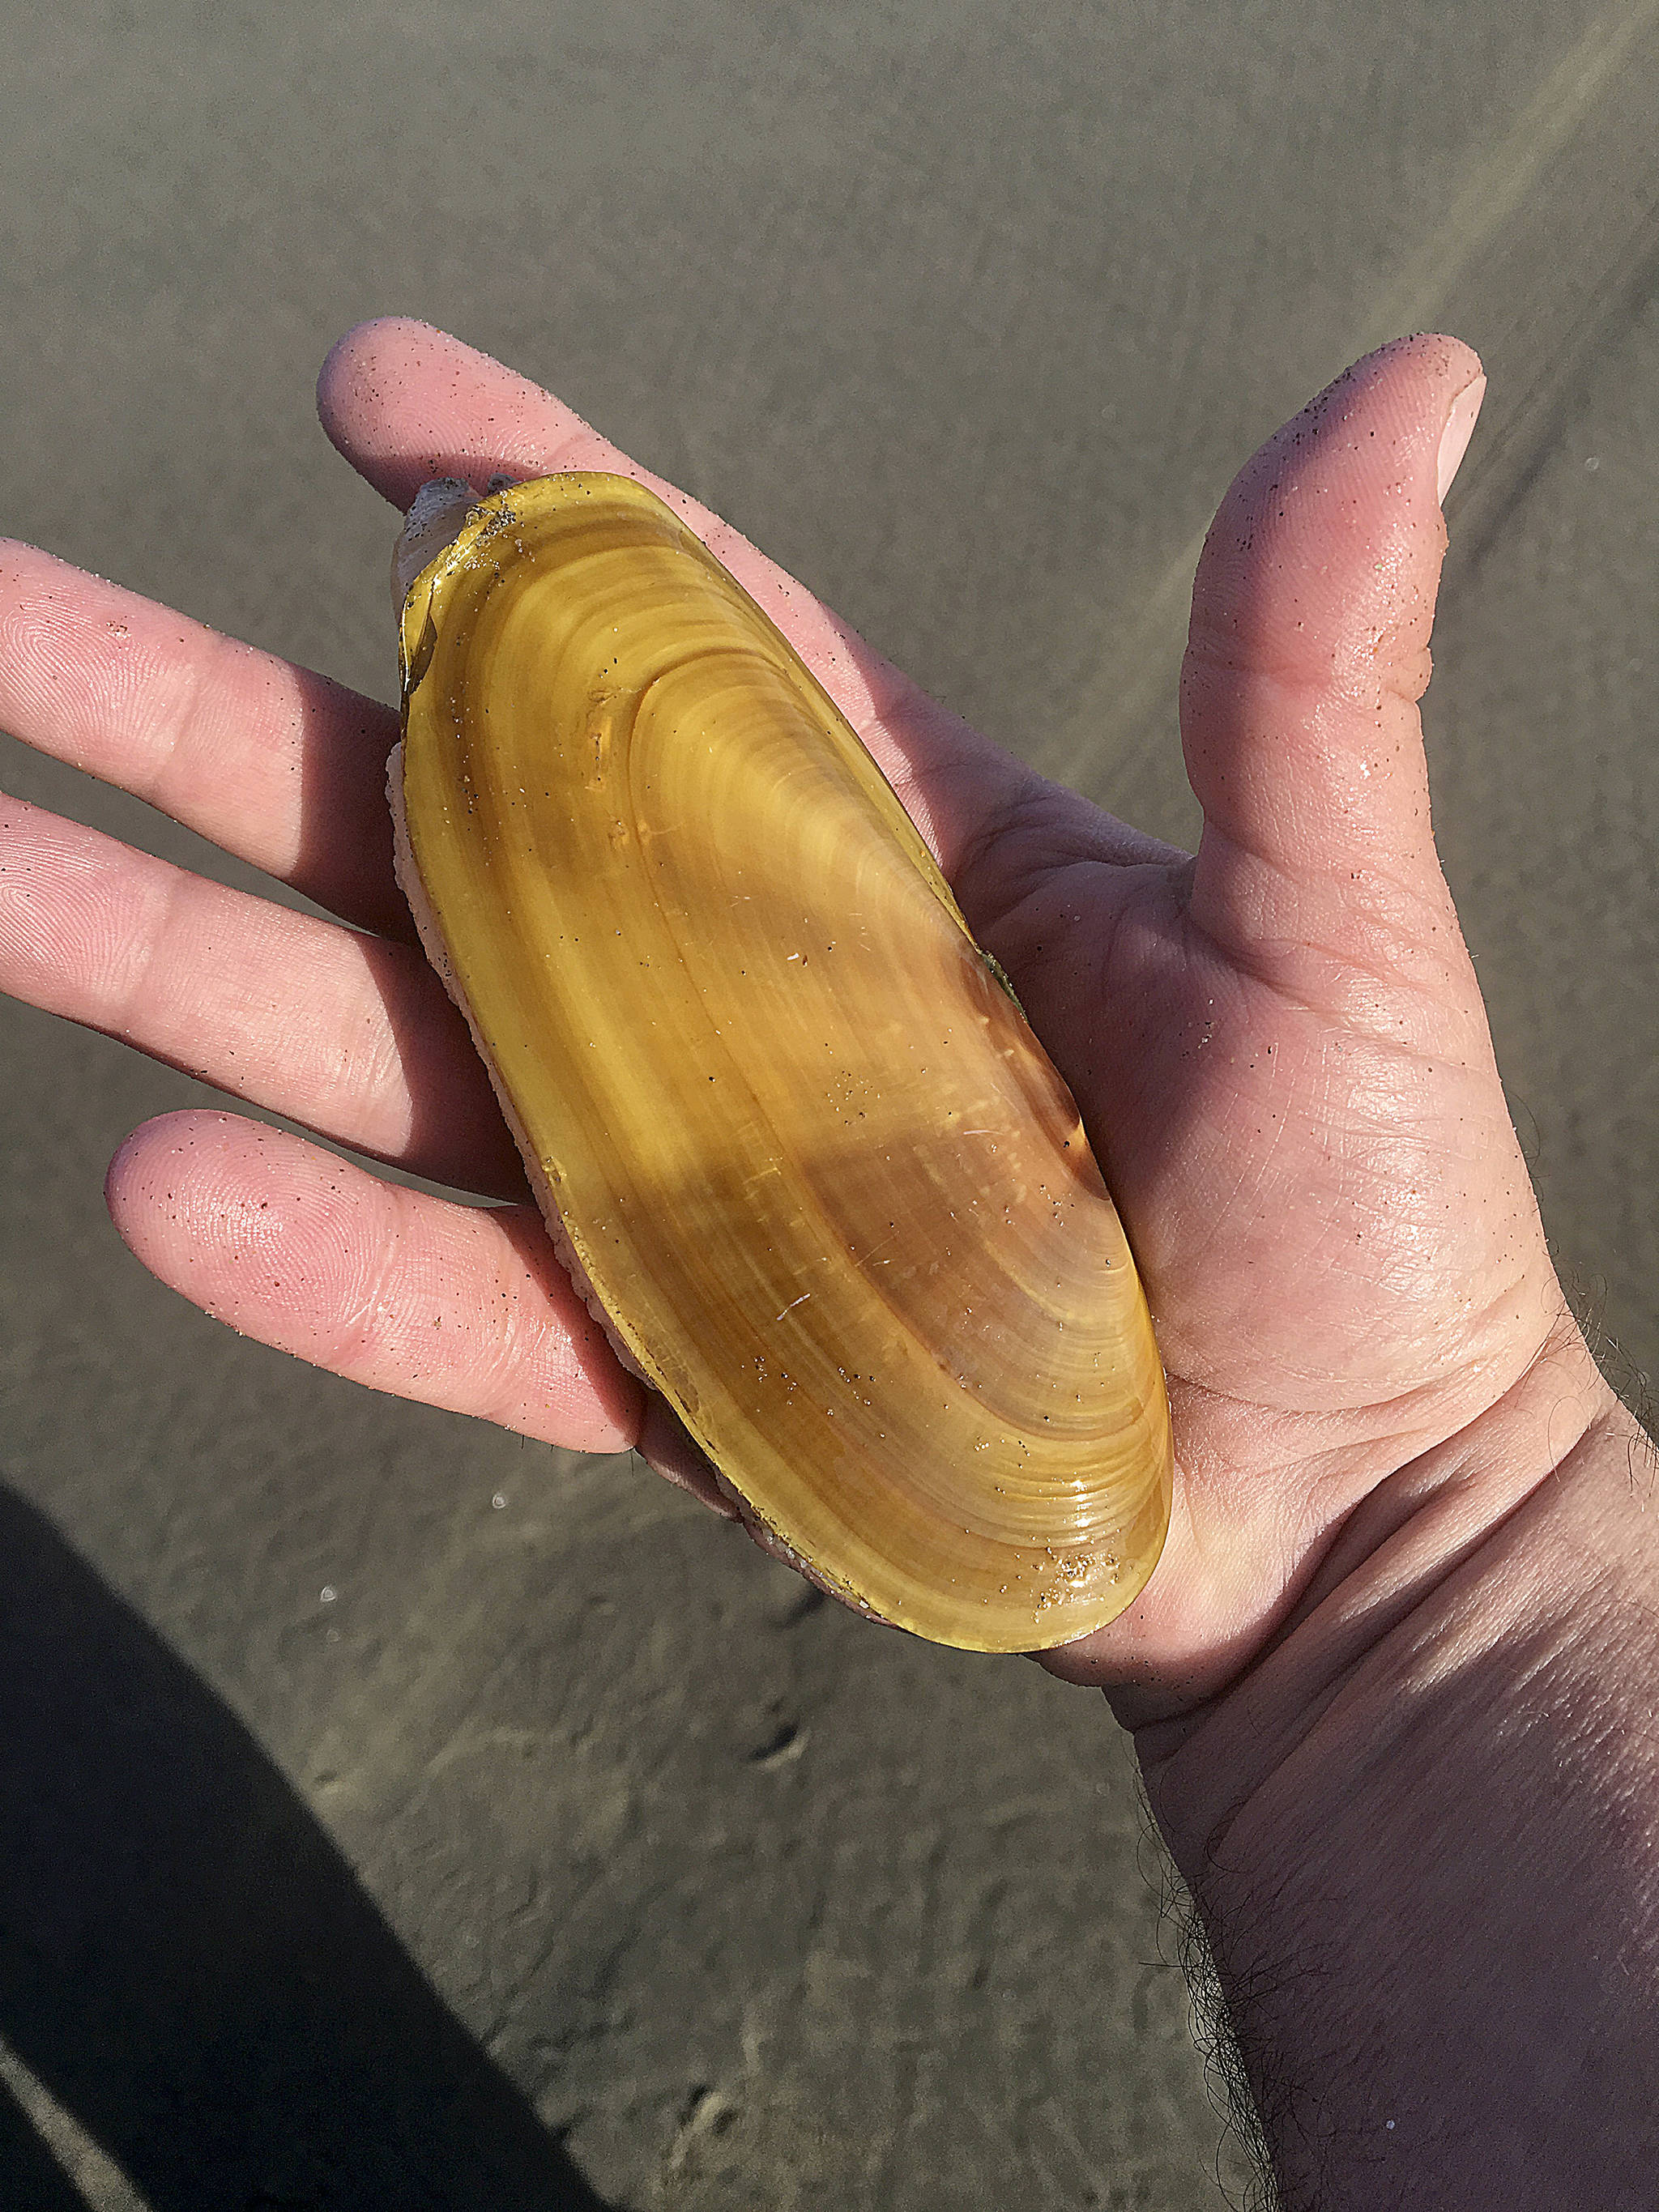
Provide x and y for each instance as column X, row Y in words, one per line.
column 1389, row 1431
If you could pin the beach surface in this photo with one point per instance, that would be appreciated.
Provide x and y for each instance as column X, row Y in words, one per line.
column 394, row 1813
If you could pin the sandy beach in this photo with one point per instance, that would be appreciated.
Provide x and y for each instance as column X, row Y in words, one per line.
column 394, row 1813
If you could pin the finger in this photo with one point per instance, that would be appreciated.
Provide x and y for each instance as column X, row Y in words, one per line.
column 1308, row 653
column 279, row 766
column 352, row 1035
column 462, row 1307
column 404, row 402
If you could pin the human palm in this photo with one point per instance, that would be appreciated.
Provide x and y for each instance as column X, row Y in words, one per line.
column 1278, row 1047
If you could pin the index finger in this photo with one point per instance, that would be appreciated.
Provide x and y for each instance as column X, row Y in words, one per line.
column 286, row 769
column 404, row 402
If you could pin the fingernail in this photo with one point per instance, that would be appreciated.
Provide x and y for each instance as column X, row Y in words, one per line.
column 1460, row 428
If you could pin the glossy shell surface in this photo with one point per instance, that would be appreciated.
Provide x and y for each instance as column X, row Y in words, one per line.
column 789, row 1126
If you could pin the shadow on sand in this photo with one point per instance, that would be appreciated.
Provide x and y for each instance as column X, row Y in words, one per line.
column 190, row 1967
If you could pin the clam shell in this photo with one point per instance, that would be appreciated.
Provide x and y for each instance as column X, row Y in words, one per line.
column 787, row 1120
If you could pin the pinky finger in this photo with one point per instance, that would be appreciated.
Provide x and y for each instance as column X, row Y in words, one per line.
column 462, row 1307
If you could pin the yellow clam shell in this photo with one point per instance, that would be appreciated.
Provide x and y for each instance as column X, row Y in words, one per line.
column 787, row 1120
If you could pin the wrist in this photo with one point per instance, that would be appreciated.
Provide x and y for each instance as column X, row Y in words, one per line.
column 1420, row 1830
column 1433, row 1521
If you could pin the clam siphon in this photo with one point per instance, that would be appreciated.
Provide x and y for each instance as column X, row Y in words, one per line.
column 787, row 1124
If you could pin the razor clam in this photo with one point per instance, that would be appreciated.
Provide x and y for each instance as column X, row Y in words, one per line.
column 787, row 1121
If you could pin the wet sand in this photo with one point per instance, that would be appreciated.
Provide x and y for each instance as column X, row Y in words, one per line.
column 366, row 1841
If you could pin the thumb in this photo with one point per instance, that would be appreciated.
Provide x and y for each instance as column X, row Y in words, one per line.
column 1308, row 653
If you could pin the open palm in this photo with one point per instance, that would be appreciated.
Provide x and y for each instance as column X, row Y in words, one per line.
column 1278, row 1047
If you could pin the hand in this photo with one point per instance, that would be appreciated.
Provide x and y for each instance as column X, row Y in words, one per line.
column 1278, row 1046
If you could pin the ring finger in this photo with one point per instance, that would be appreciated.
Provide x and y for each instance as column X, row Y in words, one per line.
column 350, row 1034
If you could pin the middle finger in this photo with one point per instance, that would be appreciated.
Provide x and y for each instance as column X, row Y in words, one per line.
column 280, row 766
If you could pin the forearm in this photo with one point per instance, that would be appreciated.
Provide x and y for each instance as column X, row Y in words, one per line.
column 1424, row 1833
